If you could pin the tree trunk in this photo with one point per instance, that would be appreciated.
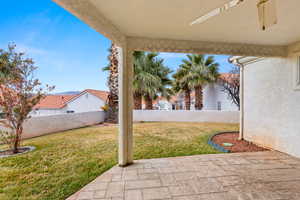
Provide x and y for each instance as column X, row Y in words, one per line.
column 17, row 141
column 187, row 99
column 112, row 113
column 137, row 101
column 198, row 97
column 148, row 101
column 113, row 98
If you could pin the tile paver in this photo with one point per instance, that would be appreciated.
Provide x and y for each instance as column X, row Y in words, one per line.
column 140, row 184
column 133, row 195
column 266, row 175
column 156, row 193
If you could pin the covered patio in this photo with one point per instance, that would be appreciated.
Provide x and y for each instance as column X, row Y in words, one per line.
column 265, row 175
column 164, row 26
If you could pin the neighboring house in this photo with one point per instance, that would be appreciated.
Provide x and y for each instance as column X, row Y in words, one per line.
column 86, row 101
column 159, row 104
column 163, row 104
column 216, row 99
column 213, row 99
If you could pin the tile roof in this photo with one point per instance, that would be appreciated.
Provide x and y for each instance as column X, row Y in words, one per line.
column 99, row 93
column 54, row 101
column 229, row 77
column 60, row 101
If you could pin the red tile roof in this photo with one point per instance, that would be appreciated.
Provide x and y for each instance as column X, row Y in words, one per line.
column 60, row 101
column 98, row 93
column 54, row 101
column 228, row 76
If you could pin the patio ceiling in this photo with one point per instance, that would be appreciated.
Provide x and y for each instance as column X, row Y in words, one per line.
column 169, row 19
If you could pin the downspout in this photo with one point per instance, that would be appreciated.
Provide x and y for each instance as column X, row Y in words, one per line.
column 241, row 61
column 241, row 66
column 241, row 136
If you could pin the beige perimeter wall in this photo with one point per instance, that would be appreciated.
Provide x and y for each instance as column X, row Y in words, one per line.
column 42, row 125
column 186, row 116
column 272, row 105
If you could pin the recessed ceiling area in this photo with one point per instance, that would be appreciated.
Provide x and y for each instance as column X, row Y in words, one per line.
column 170, row 19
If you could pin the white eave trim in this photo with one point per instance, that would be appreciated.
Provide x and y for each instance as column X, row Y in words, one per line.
column 244, row 60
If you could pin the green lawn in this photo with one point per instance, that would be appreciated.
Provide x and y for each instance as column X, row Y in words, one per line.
column 66, row 161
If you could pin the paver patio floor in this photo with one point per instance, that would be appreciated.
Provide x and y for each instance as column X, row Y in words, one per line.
column 265, row 175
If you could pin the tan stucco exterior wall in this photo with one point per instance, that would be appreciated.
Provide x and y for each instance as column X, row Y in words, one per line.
column 272, row 105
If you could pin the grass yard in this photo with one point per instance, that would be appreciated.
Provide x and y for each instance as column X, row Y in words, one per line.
column 66, row 161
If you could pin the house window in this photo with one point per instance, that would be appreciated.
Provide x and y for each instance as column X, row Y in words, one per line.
column 297, row 75
column 219, row 105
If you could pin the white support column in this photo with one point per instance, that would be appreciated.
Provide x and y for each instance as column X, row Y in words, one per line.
column 241, row 136
column 125, row 107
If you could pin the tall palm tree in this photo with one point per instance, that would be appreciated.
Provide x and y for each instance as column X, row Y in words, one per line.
column 150, row 79
column 165, row 89
column 199, row 70
column 113, row 96
column 137, row 82
column 181, row 85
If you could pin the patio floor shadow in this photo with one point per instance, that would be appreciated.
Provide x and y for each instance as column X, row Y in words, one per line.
column 268, row 175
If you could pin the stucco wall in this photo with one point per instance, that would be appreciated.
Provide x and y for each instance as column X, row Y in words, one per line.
column 209, row 97
column 212, row 94
column 186, row 116
column 37, row 126
column 86, row 103
column 272, row 106
column 45, row 112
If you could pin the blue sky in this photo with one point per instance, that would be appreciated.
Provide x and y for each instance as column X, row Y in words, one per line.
column 68, row 52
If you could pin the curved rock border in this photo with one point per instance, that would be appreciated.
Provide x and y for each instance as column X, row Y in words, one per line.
column 216, row 146
column 31, row 148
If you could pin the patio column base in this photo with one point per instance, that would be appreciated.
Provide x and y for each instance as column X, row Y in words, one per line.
column 120, row 165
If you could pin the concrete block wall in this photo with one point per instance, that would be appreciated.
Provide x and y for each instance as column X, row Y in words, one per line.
column 42, row 125
column 186, row 116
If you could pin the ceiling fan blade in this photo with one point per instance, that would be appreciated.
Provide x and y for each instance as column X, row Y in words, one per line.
column 216, row 11
column 267, row 13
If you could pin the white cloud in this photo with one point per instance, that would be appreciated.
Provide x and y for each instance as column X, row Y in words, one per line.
column 30, row 50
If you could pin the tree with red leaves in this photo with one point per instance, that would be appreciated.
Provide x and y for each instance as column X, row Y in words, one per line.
column 20, row 91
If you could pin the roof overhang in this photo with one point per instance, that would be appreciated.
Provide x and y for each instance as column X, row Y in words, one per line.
column 244, row 60
column 164, row 26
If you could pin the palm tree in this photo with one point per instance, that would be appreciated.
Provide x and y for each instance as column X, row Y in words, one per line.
column 150, row 79
column 197, row 71
column 137, row 85
column 180, row 85
column 113, row 97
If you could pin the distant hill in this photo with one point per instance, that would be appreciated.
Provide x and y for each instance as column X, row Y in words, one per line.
column 68, row 93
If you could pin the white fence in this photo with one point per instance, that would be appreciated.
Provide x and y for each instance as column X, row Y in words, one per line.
column 42, row 125
column 186, row 116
